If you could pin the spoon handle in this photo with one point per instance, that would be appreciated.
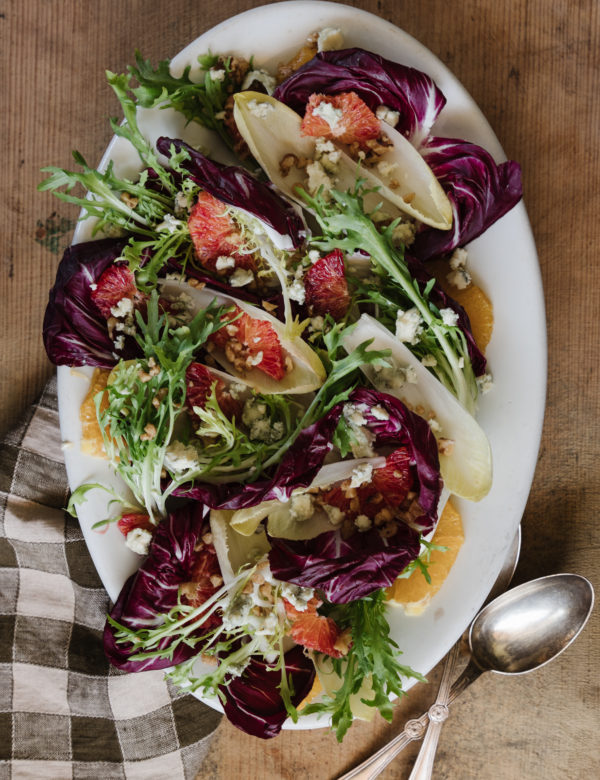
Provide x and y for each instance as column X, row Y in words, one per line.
column 438, row 712
column 375, row 764
column 414, row 729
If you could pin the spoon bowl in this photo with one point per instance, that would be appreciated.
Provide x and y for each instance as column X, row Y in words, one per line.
column 531, row 624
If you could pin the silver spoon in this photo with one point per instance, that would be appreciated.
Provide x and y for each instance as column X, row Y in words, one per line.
column 438, row 712
column 519, row 631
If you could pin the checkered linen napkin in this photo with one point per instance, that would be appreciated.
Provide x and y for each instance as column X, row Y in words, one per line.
column 64, row 712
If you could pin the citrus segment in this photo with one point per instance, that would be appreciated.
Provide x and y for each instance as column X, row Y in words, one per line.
column 326, row 286
column 414, row 593
column 473, row 300
column 91, row 436
column 343, row 117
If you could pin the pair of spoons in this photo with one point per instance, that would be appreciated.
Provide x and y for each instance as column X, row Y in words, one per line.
column 517, row 632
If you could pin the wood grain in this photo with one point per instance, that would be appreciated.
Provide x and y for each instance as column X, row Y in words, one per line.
column 533, row 67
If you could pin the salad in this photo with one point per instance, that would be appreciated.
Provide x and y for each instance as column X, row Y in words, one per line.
column 284, row 386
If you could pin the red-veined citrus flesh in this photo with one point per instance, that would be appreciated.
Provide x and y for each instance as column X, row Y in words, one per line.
column 351, row 119
column 326, row 287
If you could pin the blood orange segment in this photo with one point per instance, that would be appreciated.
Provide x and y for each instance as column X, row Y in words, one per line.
column 205, row 578
column 316, row 632
column 199, row 381
column 326, row 286
column 395, row 479
column 130, row 520
column 116, row 283
column 215, row 234
column 260, row 337
column 260, row 345
column 344, row 117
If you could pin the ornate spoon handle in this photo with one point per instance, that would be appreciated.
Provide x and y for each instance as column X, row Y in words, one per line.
column 375, row 764
column 414, row 729
column 438, row 712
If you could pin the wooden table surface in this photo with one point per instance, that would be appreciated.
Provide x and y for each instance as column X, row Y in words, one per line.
column 533, row 68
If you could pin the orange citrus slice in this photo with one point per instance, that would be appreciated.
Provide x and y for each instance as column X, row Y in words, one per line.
column 315, row 691
column 414, row 593
column 91, row 436
column 473, row 300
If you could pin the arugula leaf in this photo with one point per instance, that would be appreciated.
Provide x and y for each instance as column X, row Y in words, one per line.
column 370, row 665
column 347, row 226
column 145, row 398
column 202, row 102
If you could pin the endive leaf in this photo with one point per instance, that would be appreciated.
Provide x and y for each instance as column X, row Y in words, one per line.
column 407, row 184
column 467, row 464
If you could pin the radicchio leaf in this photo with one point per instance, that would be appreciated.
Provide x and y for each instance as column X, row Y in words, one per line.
column 74, row 331
column 374, row 79
column 235, row 186
column 153, row 590
column 253, row 702
column 297, row 468
column 350, row 568
column 480, row 191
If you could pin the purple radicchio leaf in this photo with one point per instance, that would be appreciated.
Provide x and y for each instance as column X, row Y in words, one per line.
column 297, row 468
column 480, row 191
column 153, row 590
column 375, row 80
column 74, row 330
column 442, row 300
column 235, row 186
column 351, row 568
column 253, row 702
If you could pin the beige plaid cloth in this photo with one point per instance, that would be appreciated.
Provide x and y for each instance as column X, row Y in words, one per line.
column 64, row 712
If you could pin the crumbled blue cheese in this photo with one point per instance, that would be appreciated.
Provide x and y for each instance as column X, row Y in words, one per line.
column 254, row 417
column 297, row 292
column 93, row 286
column 170, row 224
column 224, row 262
column 363, row 438
column 409, row 325
column 429, row 361
column 218, row 74
column 379, row 413
column 334, row 514
column 327, row 155
column 237, row 390
column 260, row 109
column 264, row 78
column 328, row 113
column 387, row 115
column 314, row 256
column 362, row 522
column 296, row 595
column 241, row 277
column 119, row 342
column 361, row 475
column 330, row 39
column 301, row 507
column 180, row 457
column 122, row 308
column 138, row 540
column 459, row 276
column 449, row 317
column 485, row 383
column 394, row 379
